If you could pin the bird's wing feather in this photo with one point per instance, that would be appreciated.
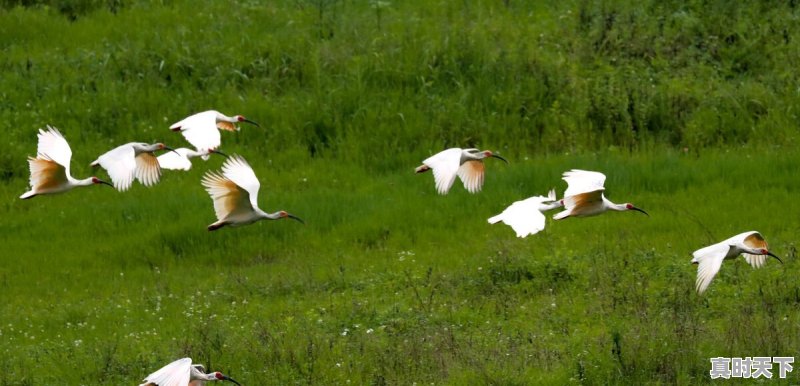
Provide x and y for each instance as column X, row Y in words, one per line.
column 53, row 146
column 120, row 165
column 754, row 240
column 582, row 181
column 583, row 203
column 172, row 161
column 239, row 171
column 523, row 216
column 228, row 126
column 445, row 168
column 147, row 170
column 709, row 260
column 471, row 174
column 229, row 198
column 173, row 374
column 203, row 137
column 46, row 174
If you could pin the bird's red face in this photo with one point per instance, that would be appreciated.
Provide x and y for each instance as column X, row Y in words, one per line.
column 219, row 375
column 284, row 214
column 160, row 146
column 240, row 118
column 629, row 206
column 96, row 180
column 764, row 252
column 487, row 153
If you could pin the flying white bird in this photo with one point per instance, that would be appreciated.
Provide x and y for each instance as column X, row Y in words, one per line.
column 50, row 169
column 183, row 373
column 709, row 259
column 134, row 159
column 180, row 159
column 525, row 216
column 202, row 129
column 467, row 164
column 584, row 196
column 235, row 195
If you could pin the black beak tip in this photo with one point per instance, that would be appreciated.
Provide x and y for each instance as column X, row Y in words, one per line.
column 776, row 257
column 229, row 379
column 500, row 158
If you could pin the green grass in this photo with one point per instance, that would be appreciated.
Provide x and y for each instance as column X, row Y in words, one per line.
column 689, row 108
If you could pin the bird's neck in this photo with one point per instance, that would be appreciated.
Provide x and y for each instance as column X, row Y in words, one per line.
column 210, row 377
column 612, row 206
column 83, row 182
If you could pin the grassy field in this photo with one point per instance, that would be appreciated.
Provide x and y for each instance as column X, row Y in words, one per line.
column 691, row 118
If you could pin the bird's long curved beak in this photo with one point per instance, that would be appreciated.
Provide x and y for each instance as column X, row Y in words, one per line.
column 296, row 218
column 771, row 254
column 218, row 152
column 251, row 122
column 105, row 183
column 229, row 379
column 171, row 149
column 497, row 156
column 639, row 210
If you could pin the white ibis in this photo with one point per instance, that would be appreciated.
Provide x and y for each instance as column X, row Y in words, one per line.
column 584, row 196
column 467, row 164
column 180, row 159
column 183, row 373
column 50, row 169
column 235, row 195
column 525, row 217
column 709, row 259
column 134, row 159
column 202, row 129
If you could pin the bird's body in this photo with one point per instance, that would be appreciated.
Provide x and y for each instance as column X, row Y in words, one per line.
column 50, row 169
column 526, row 216
column 202, row 129
column 180, row 159
column 709, row 259
column 131, row 160
column 584, row 196
column 467, row 164
column 235, row 195
column 183, row 373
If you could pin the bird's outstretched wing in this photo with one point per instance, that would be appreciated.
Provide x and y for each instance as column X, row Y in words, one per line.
column 525, row 216
column 239, row 171
column 173, row 374
column 172, row 161
column 120, row 165
column 582, row 181
column 46, row 174
column 53, row 146
column 229, row 199
column 204, row 137
column 756, row 241
column 200, row 130
column 445, row 168
column 147, row 170
column 709, row 260
column 471, row 174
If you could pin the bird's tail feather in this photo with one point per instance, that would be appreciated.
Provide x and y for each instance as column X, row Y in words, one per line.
column 27, row 195
column 495, row 219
